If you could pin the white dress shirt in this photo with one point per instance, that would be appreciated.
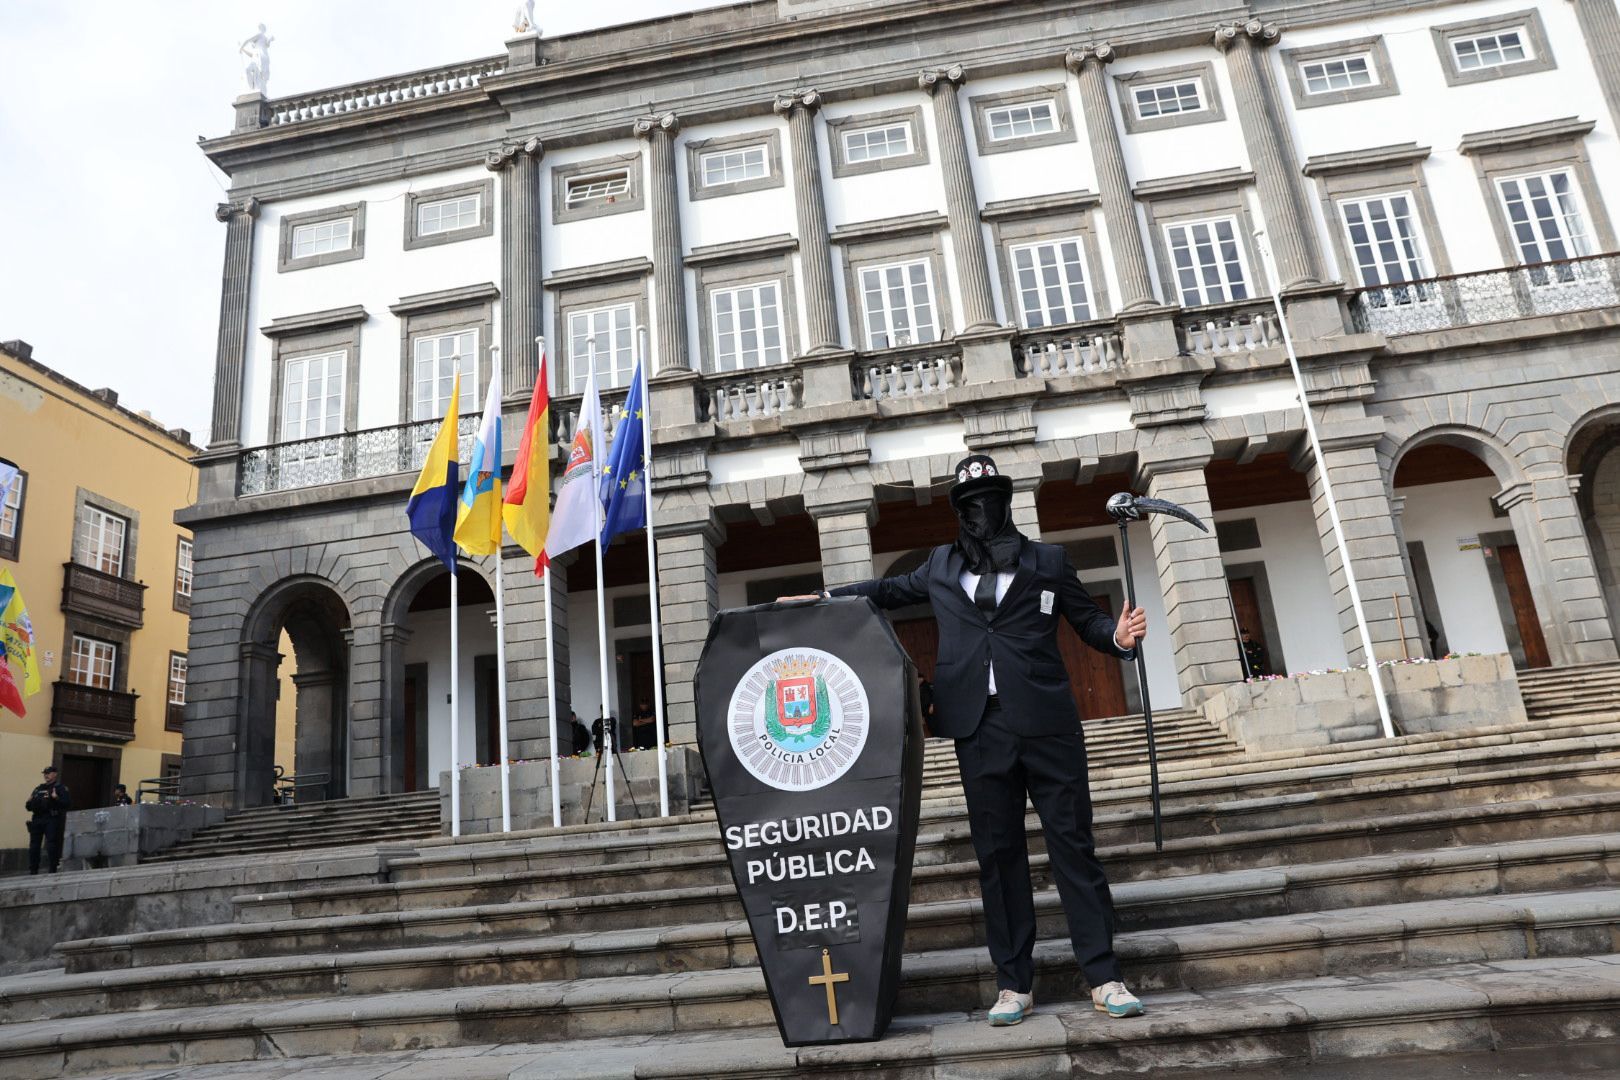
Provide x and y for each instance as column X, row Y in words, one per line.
column 970, row 582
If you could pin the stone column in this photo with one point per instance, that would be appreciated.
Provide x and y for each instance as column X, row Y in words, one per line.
column 1089, row 62
column 669, row 273
column 231, row 351
column 528, row 727
column 1198, row 612
column 1600, row 26
column 1289, row 225
column 815, row 251
column 1371, row 533
column 394, row 637
column 518, row 168
column 1563, row 575
column 961, row 198
column 845, row 529
column 689, row 598
column 315, row 717
column 357, row 741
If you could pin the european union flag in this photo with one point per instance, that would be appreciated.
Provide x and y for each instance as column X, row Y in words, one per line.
column 624, row 478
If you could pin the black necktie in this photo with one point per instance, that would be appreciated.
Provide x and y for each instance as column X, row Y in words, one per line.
column 984, row 593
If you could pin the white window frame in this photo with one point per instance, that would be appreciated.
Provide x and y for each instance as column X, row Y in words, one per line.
column 1412, row 254
column 1221, row 268
column 865, row 133
column 732, row 352
column 754, row 156
column 594, row 188
column 441, row 379
column 93, row 662
column 184, row 568
column 295, row 373
column 1006, row 116
column 1195, row 81
column 469, row 214
column 1042, row 286
column 1579, row 242
column 308, row 238
column 1526, row 47
column 96, row 528
column 178, row 666
column 11, row 509
column 881, row 327
column 613, row 328
column 1369, row 65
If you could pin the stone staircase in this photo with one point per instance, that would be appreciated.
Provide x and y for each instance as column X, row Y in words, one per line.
column 1583, row 690
column 1443, row 894
column 265, row 830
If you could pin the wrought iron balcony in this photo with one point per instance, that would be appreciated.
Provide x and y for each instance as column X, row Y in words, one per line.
column 1080, row 349
column 86, row 591
column 88, row 712
column 350, row 455
column 1513, row 292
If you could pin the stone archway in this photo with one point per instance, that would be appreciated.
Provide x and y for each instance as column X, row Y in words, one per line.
column 1594, row 459
column 317, row 622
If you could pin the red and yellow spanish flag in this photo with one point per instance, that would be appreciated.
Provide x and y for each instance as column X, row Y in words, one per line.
column 527, row 509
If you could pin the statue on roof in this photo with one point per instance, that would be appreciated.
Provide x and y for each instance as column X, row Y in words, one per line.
column 257, row 68
column 523, row 19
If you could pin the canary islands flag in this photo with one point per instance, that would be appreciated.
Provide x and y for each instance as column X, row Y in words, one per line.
column 432, row 508
column 17, row 634
column 527, row 512
column 478, row 521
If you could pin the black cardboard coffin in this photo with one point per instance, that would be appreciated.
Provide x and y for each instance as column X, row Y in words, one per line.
column 810, row 729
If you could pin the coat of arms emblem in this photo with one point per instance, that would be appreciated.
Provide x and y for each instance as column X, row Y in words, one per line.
column 799, row 719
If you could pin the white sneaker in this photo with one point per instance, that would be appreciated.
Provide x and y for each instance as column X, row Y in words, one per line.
column 1113, row 999
column 1010, row 1008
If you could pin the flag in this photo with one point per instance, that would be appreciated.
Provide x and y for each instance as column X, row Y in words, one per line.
column 574, row 521
column 478, row 520
column 432, row 508
column 17, row 634
column 10, row 696
column 624, row 496
column 527, row 512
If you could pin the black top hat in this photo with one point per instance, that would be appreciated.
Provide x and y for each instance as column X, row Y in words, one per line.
column 978, row 472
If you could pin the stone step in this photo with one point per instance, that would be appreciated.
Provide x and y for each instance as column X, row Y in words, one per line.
column 1446, row 827
column 274, row 842
column 1523, row 866
column 354, row 1017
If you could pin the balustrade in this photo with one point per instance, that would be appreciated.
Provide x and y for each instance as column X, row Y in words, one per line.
column 433, row 82
column 752, row 395
column 1213, row 332
column 1077, row 350
column 908, row 371
column 1512, row 292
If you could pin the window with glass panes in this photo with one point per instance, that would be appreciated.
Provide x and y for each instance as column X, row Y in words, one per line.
column 11, row 508
column 1050, row 278
column 435, row 361
column 611, row 330
column 322, row 237
column 1544, row 213
column 1337, row 73
column 898, row 300
column 93, row 662
column 101, row 540
column 604, row 187
column 1169, row 99
column 1386, row 241
column 747, row 325
column 312, row 396
column 1016, row 121
column 182, row 568
column 1207, row 261
column 1497, row 49
column 731, row 166
column 448, row 215
column 877, row 143
column 177, row 678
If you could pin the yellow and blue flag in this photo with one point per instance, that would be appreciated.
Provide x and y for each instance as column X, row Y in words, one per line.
column 478, row 521
column 17, row 634
column 624, row 479
column 432, row 508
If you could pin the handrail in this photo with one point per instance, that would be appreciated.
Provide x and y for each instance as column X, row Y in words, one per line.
column 164, row 788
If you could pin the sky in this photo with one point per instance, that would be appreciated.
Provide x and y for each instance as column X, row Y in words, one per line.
column 110, row 256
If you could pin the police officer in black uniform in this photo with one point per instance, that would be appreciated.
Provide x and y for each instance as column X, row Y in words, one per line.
column 49, row 805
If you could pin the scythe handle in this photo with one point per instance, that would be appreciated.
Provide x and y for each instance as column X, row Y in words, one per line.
column 1142, row 681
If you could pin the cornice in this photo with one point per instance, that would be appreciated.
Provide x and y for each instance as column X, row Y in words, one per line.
column 599, row 272
column 1357, row 160
column 1193, row 183
column 420, row 303
column 1567, row 129
column 1039, row 205
column 884, row 228
column 314, row 320
column 742, row 249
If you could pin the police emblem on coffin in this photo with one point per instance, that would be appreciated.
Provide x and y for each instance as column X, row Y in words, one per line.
column 798, row 719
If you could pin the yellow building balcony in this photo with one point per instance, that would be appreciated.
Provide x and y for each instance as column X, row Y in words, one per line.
column 90, row 592
column 89, row 712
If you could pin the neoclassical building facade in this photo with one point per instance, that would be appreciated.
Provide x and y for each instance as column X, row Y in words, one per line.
column 867, row 238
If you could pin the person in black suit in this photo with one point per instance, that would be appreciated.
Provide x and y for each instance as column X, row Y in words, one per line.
column 1001, row 691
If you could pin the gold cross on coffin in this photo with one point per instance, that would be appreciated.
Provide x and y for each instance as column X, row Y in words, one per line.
column 828, row 979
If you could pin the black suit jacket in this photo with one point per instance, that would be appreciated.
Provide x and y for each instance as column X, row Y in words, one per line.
column 1019, row 638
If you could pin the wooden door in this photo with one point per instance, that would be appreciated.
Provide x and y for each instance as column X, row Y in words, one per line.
column 1099, row 687
column 1246, row 601
column 89, row 780
column 1524, row 606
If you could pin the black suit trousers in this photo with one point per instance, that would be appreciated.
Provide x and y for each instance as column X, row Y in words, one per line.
column 999, row 768
column 48, row 834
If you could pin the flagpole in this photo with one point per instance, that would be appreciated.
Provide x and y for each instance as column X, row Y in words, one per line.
column 652, row 574
column 455, row 713
column 610, row 741
column 500, row 662
column 551, row 710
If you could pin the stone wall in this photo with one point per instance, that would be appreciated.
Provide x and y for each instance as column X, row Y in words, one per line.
column 530, row 784
column 120, row 835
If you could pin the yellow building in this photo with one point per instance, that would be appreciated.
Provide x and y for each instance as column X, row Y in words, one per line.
column 90, row 537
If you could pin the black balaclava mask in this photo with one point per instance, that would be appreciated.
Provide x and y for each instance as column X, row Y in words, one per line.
column 987, row 538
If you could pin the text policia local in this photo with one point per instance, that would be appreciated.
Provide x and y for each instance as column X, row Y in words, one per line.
column 797, row 866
